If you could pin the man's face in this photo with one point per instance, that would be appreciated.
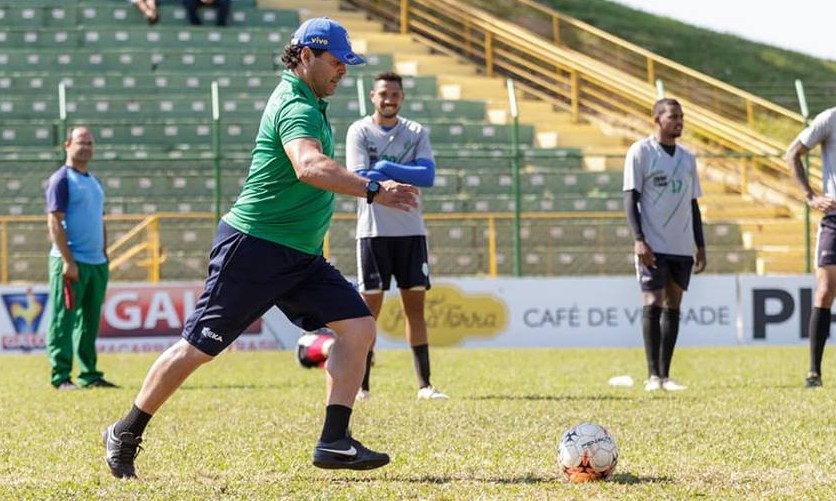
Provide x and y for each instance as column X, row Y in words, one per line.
column 80, row 146
column 671, row 121
column 387, row 97
column 324, row 72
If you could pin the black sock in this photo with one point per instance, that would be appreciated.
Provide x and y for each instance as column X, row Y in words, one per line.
column 670, row 331
column 651, row 331
column 819, row 331
column 336, row 423
column 365, row 385
column 421, row 359
column 135, row 422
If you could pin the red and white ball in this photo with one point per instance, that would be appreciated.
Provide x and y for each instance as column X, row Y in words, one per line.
column 587, row 452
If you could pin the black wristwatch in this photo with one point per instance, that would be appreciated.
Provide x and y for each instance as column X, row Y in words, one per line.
column 372, row 189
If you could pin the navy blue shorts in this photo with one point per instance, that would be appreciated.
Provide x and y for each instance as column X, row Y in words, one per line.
column 249, row 275
column 826, row 242
column 668, row 267
column 381, row 258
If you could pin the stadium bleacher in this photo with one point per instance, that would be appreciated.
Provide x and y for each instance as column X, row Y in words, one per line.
column 145, row 93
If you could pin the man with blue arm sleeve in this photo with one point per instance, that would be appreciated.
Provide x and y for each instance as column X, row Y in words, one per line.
column 420, row 173
column 387, row 146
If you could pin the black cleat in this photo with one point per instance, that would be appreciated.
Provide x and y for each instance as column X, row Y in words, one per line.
column 813, row 380
column 347, row 453
column 121, row 452
column 101, row 383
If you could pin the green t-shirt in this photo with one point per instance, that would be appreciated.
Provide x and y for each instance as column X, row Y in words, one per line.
column 274, row 204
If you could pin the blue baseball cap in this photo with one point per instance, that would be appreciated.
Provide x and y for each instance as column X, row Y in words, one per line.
column 326, row 34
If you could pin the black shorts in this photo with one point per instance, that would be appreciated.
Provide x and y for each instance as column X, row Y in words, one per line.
column 249, row 275
column 381, row 258
column 826, row 242
column 668, row 267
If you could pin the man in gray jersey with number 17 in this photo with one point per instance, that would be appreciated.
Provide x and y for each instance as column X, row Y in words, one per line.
column 661, row 188
column 390, row 243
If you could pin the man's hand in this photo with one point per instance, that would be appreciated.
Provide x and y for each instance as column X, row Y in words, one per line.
column 70, row 272
column 699, row 260
column 644, row 253
column 397, row 195
column 823, row 203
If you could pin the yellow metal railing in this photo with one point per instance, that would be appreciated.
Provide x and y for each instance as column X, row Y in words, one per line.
column 140, row 245
column 720, row 97
column 125, row 250
column 604, row 86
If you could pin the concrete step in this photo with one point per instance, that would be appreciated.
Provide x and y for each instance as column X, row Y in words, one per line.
column 433, row 64
column 781, row 263
column 324, row 5
column 713, row 187
column 577, row 136
column 353, row 20
column 471, row 86
column 366, row 42
column 530, row 110
column 789, row 225
column 718, row 212
column 757, row 240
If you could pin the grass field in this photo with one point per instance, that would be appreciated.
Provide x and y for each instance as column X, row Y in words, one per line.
column 244, row 427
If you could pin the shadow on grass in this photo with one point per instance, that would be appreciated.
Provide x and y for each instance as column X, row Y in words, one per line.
column 547, row 397
column 434, row 479
column 625, row 478
column 422, row 479
column 236, row 387
column 628, row 478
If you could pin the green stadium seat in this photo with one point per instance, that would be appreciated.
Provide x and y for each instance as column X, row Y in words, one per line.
column 27, row 134
column 22, row 16
column 29, row 267
column 414, row 86
column 29, row 109
column 93, row 15
column 28, row 3
column 446, row 183
column 32, row 39
column 460, row 233
column 476, row 183
column 420, row 109
column 442, row 203
column 455, row 262
column 63, row 16
column 28, row 237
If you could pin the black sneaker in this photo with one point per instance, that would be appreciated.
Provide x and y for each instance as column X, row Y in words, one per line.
column 101, row 383
column 121, row 452
column 347, row 453
column 813, row 380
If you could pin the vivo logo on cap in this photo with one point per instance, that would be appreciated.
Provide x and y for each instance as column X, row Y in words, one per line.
column 319, row 41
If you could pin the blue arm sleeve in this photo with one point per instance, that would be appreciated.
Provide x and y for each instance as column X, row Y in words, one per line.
column 374, row 175
column 421, row 172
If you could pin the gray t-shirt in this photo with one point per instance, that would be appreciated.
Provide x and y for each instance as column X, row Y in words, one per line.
column 667, row 185
column 366, row 143
column 822, row 130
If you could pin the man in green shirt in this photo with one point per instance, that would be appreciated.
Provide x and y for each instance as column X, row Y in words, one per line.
column 268, row 251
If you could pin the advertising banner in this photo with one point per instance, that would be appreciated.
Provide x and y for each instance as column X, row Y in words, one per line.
column 776, row 310
column 135, row 318
column 471, row 312
column 582, row 311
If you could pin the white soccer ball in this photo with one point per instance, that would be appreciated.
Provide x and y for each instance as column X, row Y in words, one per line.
column 587, row 452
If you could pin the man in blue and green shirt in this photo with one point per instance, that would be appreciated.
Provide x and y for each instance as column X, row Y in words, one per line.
column 268, row 252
